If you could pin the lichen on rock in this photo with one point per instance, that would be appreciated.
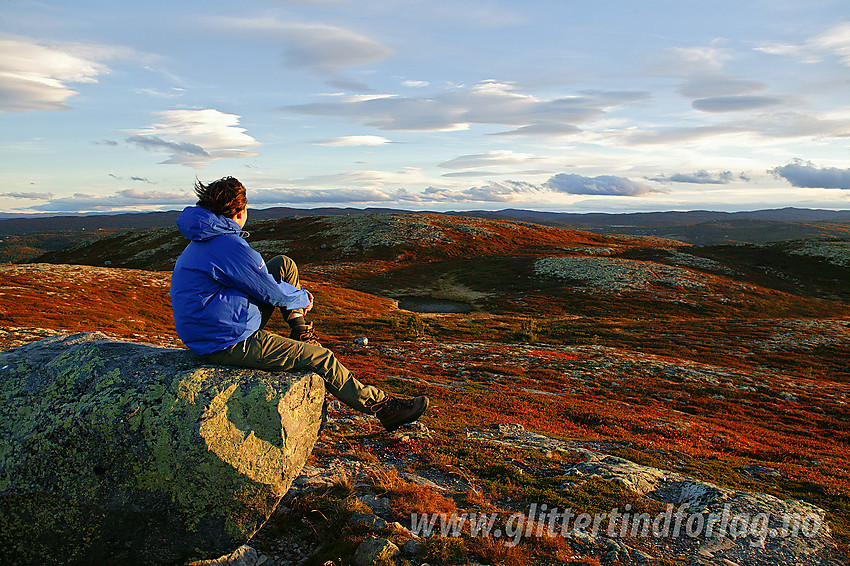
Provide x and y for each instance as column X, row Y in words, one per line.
column 116, row 451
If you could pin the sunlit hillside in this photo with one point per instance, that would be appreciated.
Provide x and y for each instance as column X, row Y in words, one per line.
column 709, row 361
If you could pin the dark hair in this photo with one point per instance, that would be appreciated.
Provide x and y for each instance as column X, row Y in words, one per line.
column 224, row 197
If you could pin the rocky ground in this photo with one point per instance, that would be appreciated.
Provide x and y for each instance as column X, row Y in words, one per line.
column 612, row 427
column 376, row 529
column 362, row 485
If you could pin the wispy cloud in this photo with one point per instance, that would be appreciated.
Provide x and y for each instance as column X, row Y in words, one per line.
column 709, row 86
column 701, row 177
column 136, row 194
column 319, row 196
column 473, row 173
column 806, row 174
column 37, row 77
column 543, row 130
column 601, row 185
column 28, row 196
column 348, row 141
column 195, row 137
column 133, row 178
column 501, row 191
column 329, row 48
column 834, row 42
column 496, row 191
column 498, row 158
column 322, row 49
column 507, row 191
column 478, row 14
column 155, row 143
column 776, row 124
column 128, row 199
column 376, row 188
column 735, row 103
column 488, row 102
column 698, row 60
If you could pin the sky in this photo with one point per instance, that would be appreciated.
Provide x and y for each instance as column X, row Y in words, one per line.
column 563, row 105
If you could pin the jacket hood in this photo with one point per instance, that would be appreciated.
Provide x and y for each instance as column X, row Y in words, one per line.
column 199, row 224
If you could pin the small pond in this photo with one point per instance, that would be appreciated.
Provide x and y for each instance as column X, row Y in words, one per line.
column 428, row 304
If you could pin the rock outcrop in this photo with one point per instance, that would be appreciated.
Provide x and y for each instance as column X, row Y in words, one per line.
column 750, row 528
column 116, row 452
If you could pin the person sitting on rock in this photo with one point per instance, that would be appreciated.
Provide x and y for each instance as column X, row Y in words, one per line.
column 223, row 295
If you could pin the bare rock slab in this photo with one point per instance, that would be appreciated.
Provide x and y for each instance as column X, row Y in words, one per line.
column 116, row 452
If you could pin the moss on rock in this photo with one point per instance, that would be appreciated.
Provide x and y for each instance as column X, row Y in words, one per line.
column 131, row 452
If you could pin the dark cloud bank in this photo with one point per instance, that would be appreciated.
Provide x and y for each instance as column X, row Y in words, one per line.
column 806, row 174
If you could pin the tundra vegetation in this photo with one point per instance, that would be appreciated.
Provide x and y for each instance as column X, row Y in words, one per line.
column 728, row 364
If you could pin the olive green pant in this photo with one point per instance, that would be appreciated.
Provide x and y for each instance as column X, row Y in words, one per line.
column 272, row 352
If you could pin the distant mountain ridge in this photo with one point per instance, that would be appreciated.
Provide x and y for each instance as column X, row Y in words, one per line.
column 787, row 214
column 587, row 221
column 147, row 220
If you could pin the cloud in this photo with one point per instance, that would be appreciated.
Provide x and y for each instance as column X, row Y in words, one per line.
column 718, row 85
column 474, row 173
column 154, row 143
column 128, row 199
column 504, row 191
column 347, row 141
column 322, row 49
column 329, row 48
column 320, row 196
column 836, row 41
column 195, row 137
column 545, row 130
column 805, row 174
column 692, row 60
column 489, row 102
column 31, row 196
column 601, row 185
column 37, row 77
column 701, row 177
column 712, row 90
column 140, row 179
column 833, row 42
column 735, row 103
column 105, row 142
column 476, row 15
column 490, row 159
column 781, row 125
column 154, row 195
column 415, row 84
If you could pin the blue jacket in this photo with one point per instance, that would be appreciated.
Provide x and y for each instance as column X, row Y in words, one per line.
column 218, row 282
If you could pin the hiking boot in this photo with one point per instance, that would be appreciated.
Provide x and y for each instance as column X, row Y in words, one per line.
column 393, row 412
column 304, row 333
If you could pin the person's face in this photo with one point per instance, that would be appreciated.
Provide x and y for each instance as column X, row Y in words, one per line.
column 241, row 217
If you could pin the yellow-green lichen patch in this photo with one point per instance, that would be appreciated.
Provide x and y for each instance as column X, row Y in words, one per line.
column 142, row 441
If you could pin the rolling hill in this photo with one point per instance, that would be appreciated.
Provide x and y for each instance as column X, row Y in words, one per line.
column 728, row 364
column 22, row 238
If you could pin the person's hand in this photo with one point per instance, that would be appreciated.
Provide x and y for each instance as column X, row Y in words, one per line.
column 310, row 306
